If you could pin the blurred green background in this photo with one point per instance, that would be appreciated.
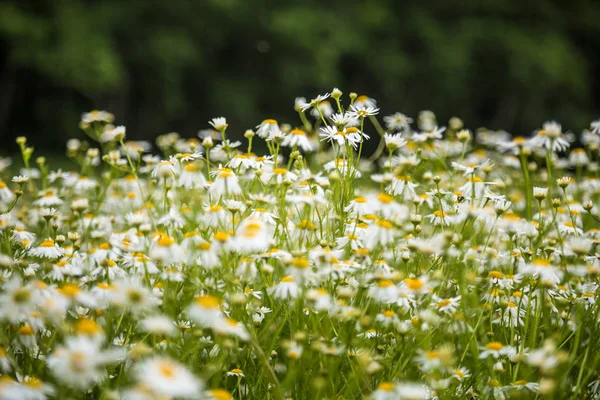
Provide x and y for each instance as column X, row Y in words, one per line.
column 164, row 66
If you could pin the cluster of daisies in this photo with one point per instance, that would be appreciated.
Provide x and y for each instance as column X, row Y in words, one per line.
column 294, row 264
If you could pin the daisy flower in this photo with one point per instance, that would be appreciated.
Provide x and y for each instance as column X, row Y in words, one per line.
column 542, row 269
column 384, row 291
column 165, row 169
column 166, row 377
column 229, row 326
column 268, row 129
column 471, row 168
column 80, row 363
column 297, row 138
column 219, row 123
column 448, row 305
column 496, row 350
column 550, row 138
column 286, row 289
column 158, row 325
column 394, row 142
column 362, row 111
column 341, row 136
column 236, row 372
column 397, row 122
column 226, row 182
column 47, row 249
column 315, row 102
column 205, row 310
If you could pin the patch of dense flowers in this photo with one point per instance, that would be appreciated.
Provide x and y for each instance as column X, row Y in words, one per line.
column 450, row 265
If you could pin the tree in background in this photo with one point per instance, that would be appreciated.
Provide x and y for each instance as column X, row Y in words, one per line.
column 172, row 65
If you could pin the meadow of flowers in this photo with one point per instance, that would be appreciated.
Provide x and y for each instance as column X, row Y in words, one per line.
column 449, row 264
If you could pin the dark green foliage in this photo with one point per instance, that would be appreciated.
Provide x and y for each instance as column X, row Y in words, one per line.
column 172, row 65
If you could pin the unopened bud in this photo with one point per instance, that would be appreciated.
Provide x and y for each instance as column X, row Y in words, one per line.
column 207, row 142
column 336, row 93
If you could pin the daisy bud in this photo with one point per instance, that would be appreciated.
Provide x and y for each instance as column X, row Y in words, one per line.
column 416, row 219
column 336, row 93
column 60, row 239
column 207, row 142
column 249, row 134
column 21, row 140
column 455, row 124
column 92, row 153
column 238, row 299
column 373, row 368
column 118, row 133
column 588, row 205
column 564, row 181
column 540, row 193
column 145, row 228
column 40, row 161
column 353, row 96
column 334, row 176
column 427, row 176
column 437, row 179
column 556, row 202
column 345, row 292
column 463, row 135
column 418, row 229
column 80, row 205
column 456, row 239
column 73, row 236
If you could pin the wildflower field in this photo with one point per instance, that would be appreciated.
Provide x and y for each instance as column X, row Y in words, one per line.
column 448, row 264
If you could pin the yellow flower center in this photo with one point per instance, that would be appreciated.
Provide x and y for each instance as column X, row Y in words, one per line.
column 69, row 290
column 165, row 241
column 496, row 346
column 221, row 236
column 385, row 283
column 386, row 387
column 414, row 284
column 385, row 198
column 167, row 370
column 208, row 301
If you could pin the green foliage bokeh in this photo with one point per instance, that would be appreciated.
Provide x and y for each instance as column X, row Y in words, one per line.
column 172, row 65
